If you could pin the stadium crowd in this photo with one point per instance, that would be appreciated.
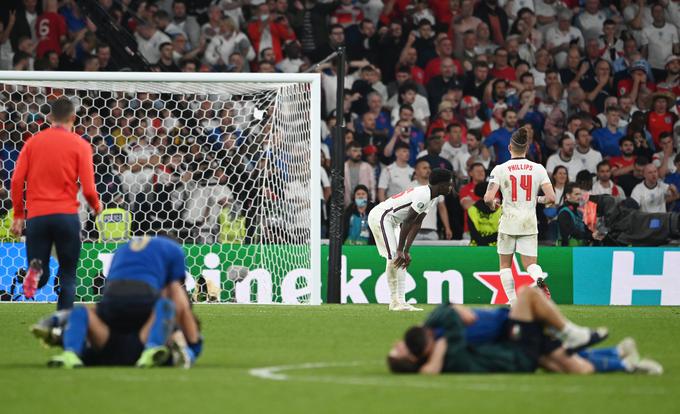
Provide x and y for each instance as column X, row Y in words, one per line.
column 429, row 84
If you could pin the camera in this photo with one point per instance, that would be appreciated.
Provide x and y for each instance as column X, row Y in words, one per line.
column 406, row 130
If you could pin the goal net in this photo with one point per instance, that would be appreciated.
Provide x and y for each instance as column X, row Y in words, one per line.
column 227, row 163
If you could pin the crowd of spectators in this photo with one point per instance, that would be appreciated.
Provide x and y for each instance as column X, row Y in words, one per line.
column 429, row 84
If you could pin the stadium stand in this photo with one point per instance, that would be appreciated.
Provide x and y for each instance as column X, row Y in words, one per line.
column 583, row 74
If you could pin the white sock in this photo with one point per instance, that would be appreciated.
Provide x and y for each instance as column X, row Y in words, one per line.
column 535, row 271
column 401, row 285
column 573, row 333
column 508, row 285
column 392, row 281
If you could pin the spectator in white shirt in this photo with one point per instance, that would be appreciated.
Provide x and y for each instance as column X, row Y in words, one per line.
column 228, row 41
column 149, row 39
column 560, row 37
column 183, row 23
column 652, row 194
column 604, row 183
column 408, row 94
column 397, row 176
column 292, row 50
column 664, row 158
column 659, row 41
column 590, row 20
column 585, row 152
column 428, row 229
column 565, row 157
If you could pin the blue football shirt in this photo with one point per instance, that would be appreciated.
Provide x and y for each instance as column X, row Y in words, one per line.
column 157, row 261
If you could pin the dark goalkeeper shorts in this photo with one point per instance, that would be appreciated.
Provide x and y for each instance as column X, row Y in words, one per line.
column 126, row 305
column 122, row 349
column 531, row 342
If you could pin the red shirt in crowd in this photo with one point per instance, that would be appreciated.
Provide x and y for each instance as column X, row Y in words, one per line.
column 442, row 11
column 620, row 162
column 50, row 165
column 468, row 190
column 434, row 68
column 626, row 85
column 508, row 73
column 280, row 32
column 658, row 123
column 50, row 29
column 418, row 75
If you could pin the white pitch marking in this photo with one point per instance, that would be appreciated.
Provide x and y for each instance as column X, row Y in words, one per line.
column 277, row 373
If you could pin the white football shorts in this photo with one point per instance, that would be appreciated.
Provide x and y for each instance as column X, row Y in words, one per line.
column 526, row 245
column 385, row 232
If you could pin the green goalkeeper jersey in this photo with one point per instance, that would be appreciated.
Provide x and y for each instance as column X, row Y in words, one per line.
column 498, row 356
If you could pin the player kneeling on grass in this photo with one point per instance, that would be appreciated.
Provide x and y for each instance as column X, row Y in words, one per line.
column 134, row 321
column 395, row 223
column 459, row 339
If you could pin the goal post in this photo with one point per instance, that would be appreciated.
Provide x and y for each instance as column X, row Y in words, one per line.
column 229, row 163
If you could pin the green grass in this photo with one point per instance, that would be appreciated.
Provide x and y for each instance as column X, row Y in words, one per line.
column 239, row 338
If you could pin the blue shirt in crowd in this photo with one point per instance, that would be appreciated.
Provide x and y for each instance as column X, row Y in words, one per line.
column 499, row 140
column 607, row 142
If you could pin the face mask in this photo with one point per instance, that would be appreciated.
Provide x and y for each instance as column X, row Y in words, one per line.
column 361, row 202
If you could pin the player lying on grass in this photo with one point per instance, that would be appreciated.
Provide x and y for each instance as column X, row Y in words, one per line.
column 132, row 324
column 458, row 339
column 395, row 223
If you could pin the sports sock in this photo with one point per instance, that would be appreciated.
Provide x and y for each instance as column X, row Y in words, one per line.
column 75, row 333
column 392, row 281
column 508, row 285
column 612, row 352
column 164, row 320
column 573, row 333
column 401, row 285
column 607, row 360
column 535, row 271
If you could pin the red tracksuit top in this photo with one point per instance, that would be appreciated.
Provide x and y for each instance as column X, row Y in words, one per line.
column 50, row 165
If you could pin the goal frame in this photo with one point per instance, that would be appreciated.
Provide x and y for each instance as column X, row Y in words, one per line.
column 313, row 79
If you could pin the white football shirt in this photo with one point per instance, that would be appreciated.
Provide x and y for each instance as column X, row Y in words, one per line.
column 399, row 205
column 519, row 181
column 651, row 200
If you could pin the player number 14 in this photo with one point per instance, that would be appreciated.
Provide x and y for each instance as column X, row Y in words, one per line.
column 524, row 183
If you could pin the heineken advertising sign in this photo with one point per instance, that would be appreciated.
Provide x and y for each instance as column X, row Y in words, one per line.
column 266, row 274
column 441, row 273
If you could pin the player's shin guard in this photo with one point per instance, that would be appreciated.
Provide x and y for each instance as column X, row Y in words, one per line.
column 163, row 323
column 75, row 333
column 508, row 283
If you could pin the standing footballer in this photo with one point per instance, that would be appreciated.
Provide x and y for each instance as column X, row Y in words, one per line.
column 395, row 223
column 519, row 181
column 49, row 168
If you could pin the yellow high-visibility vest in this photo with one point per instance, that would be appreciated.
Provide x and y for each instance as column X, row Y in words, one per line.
column 232, row 228
column 486, row 224
column 113, row 225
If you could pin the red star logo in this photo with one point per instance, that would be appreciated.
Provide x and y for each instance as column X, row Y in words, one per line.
column 492, row 280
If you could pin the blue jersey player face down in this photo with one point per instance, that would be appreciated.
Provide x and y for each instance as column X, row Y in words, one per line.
column 133, row 322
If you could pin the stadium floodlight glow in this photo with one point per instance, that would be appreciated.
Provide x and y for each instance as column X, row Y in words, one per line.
column 228, row 162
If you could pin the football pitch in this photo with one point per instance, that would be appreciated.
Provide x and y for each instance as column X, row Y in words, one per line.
column 329, row 359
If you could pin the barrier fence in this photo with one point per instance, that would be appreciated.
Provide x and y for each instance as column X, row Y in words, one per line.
column 581, row 275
